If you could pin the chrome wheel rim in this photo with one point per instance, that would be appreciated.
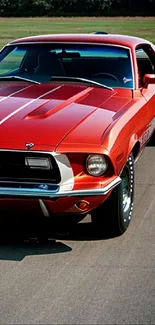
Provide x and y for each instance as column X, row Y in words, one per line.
column 126, row 192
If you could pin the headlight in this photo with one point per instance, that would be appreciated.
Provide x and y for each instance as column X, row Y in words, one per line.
column 38, row 163
column 96, row 165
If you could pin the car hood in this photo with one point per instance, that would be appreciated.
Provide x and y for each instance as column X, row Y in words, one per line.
column 49, row 114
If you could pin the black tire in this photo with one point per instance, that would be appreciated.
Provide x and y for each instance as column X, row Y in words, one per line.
column 116, row 212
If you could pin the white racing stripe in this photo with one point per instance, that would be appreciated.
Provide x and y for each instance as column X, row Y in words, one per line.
column 16, row 92
column 67, row 176
column 27, row 104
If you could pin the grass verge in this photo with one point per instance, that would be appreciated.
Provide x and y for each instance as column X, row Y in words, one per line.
column 12, row 28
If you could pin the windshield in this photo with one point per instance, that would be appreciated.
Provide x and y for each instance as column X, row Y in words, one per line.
column 106, row 64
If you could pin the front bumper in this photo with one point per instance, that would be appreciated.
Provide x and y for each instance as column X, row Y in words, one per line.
column 48, row 191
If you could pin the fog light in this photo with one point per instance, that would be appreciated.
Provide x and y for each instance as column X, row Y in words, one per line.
column 82, row 205
column 38, row 163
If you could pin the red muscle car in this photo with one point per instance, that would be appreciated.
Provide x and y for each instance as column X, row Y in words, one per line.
column 75, row 113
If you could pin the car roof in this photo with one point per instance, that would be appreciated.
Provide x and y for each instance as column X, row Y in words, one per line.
column 122, row 40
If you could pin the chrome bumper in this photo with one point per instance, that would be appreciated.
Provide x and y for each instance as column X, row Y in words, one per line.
column 54, row 192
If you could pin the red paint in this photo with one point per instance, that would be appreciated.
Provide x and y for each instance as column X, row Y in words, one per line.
column 124, row 40
column 77, row 120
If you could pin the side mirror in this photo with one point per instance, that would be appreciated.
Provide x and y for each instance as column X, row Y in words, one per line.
column 149, row 79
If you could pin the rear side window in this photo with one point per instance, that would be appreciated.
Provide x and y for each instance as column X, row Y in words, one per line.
column 144, row 64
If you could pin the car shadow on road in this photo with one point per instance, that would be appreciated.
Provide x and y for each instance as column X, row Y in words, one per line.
column 84, row 232
column 37, row 226
column 12, row 251
column 20, row 238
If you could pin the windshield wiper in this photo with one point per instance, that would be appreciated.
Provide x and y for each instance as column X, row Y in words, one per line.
column 19, row 78
column 88, row 81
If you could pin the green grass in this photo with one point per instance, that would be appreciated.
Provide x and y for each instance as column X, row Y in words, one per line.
column 12, row 28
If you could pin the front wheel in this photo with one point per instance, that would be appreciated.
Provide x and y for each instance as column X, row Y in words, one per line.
column 116, row 212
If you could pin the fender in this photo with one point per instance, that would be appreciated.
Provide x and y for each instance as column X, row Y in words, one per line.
column 134, row 146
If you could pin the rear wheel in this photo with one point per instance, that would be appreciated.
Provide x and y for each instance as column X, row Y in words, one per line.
column 116, row 212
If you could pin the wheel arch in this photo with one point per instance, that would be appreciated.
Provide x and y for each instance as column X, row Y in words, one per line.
column 135, row 150
column 134, row 147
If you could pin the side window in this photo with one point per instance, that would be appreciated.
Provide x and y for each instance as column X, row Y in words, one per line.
column 144, row 64
column 12, row 61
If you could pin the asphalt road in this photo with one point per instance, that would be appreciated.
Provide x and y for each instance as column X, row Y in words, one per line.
column 81, row 279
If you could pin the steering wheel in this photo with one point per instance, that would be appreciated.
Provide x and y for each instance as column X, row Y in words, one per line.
column 106, row 74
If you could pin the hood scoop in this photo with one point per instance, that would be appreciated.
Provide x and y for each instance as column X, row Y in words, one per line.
column 44, row 109
column 54, row 105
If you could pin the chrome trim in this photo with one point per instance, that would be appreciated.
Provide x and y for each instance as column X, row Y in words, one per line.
column 16, row 78
column 42, row 193
column 132, row 69
column 53, row 153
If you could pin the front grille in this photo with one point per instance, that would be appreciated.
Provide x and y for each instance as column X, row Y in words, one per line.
column 13, row 168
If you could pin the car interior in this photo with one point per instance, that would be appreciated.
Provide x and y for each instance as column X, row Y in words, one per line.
column 71, row 64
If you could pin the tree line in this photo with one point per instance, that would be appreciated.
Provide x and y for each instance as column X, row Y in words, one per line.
column 21, row 8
